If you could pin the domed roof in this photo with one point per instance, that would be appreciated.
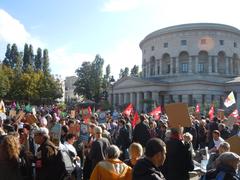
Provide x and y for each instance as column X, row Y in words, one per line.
column 192, row 26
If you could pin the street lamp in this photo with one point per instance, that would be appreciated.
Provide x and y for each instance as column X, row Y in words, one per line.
column 112, row 81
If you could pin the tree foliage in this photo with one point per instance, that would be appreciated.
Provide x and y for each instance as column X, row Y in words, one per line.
column 91, row 82
column 23, row 78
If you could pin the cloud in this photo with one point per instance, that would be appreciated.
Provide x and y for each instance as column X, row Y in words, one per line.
column 120, row 5
column 125, row 53
column 64, row 63
column 13, row 31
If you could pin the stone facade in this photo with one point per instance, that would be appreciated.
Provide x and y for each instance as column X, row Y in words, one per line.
column 191, row 63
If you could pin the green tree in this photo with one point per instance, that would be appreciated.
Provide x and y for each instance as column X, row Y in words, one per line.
column 38, row 60
column 14, row 56
column 4, row 83
column 6, row 60
column 135, row 71
column 25, row 57
column 83, row 84
column 46, row 69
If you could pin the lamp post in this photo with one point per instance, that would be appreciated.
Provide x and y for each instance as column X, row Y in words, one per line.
column 112, row 81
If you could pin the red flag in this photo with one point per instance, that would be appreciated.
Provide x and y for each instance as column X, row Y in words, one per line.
column 197, row 108
column 211, row 112
column 89, row 111
column 234, row 113
column 135, row 119
column 128, row 110
column 156, row 112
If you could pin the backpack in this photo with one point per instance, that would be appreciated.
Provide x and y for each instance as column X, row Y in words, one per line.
column 64, row 163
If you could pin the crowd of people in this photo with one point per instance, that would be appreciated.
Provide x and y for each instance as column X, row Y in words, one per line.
column 114, row 149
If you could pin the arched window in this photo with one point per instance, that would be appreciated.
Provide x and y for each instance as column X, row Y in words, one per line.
column 221, row 62
column 203, row 62
column 166, row 64
column 183, row 62
column 152, row 66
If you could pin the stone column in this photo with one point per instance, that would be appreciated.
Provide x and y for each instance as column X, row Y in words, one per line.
column 190, row 62
column 160, row 64
column 209, row 65
column 132, row 99
column 208, row 98
column 227, row 65
column 156, row 67
column 196, row 64
column 145, row 105
column 238, row 100
column 171, row 66
column 138, row 100
column 177, row 65
column 231, row 65
column 185, row 98
column 215, row 64
column 155, row 97
column 115, row 99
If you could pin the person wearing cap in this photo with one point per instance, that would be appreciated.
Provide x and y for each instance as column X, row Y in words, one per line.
column 226, row 167
column 98, row 148
column 149, row 166
column 46, row 165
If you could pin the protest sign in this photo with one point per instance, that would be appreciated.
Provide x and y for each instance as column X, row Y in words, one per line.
column 12, row 113
column 84, row 135
column 20, row 116
column 31, row 119
column 234, row 142
column 73, row 114
column 55, row 134
column 178, row 115
column 220, row 114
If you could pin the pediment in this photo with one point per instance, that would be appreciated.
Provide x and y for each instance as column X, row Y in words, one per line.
column 131, row 82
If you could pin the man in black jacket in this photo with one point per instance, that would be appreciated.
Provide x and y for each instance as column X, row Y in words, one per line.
column 141, row 132
column 179, row 157
column 148, row 167
column 47, row 164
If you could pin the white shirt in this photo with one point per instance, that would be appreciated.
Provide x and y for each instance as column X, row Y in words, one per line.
column 70, row 147
column 218, row 142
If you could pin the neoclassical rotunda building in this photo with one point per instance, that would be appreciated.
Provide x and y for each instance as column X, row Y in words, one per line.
column 190, row 63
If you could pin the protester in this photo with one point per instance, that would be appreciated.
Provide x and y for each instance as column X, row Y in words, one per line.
column 226, row 166
column 223, row 147
column 179, row 157
column 217, row 141
column 46, row 165
column 141, row 132
column 98, row 148
column 112, row 168
column 123, row 140
column 148, row 167
column 9, row 158
column 135, row 153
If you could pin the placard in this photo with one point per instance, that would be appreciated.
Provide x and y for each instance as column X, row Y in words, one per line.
column 55, row 133
column 234, row 142
column 31, row 119
column 220, row 114
column 20, row 116
column 84, row 134
column 178, row 115
column 73, row 114
column 12, row 113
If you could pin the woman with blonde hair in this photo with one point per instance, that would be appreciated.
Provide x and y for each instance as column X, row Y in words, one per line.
column 9, row 158
column 112, row 168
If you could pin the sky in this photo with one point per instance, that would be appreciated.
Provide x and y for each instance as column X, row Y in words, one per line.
column 74, row 31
